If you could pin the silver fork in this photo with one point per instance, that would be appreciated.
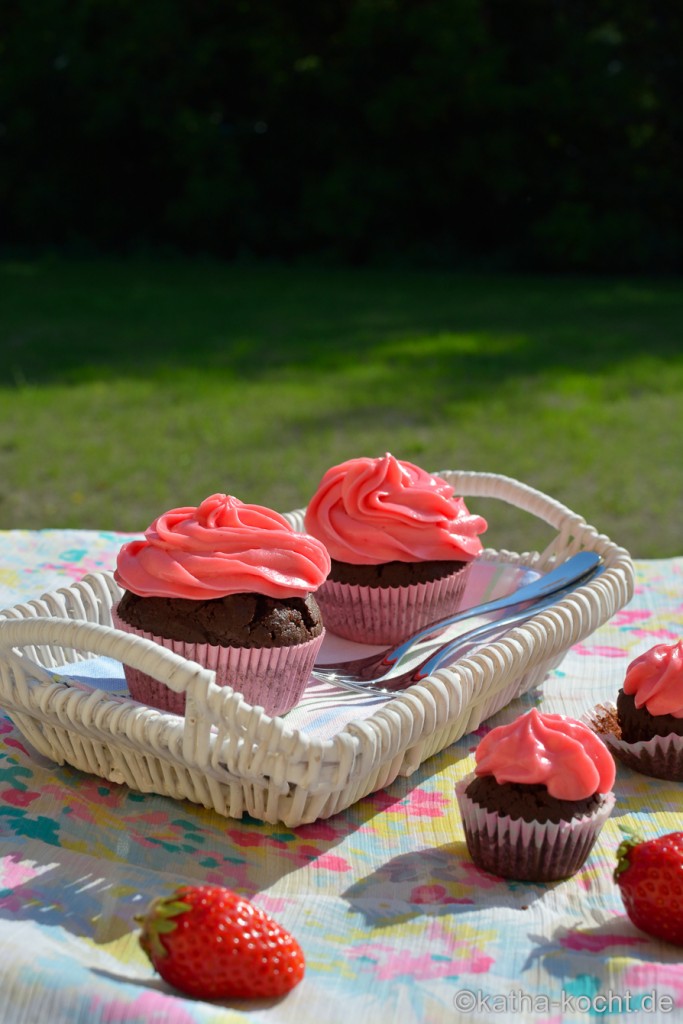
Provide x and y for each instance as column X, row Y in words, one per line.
column 394, row 670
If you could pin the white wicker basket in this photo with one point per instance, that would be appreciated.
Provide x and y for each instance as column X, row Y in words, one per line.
column 228, row 755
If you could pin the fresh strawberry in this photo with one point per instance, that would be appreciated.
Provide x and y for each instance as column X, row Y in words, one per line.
column 650, row 878
column 211, row 943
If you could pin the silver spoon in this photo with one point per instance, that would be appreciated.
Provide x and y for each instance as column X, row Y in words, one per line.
column 397, row 668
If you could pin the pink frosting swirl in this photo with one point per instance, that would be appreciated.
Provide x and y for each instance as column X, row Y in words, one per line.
column 655, row 679
column 222, row 547
column 370, row 511
column 558, row 752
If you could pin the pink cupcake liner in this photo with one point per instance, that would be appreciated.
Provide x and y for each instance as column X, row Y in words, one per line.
column 528, row 851
column 386, row 615
column 661, row 757
column 273, row 678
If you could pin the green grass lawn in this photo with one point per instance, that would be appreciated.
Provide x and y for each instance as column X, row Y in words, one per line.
column 131, row 387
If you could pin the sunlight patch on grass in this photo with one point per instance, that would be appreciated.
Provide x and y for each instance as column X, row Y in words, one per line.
column 452, row 344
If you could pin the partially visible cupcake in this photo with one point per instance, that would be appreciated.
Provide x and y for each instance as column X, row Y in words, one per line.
column 230, row 586
column 401, row 545
column 645, row 729
column 538, row 798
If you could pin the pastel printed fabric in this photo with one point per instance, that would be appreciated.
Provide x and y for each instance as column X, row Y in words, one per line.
column 393, row 917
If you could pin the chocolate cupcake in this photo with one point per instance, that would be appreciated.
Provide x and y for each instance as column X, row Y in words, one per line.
column 645, row 729
column 540, row 794
column 401, row 545
column 230, row 586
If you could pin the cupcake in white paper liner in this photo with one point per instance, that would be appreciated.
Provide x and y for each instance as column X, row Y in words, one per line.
column 387, row 615
column 401, row 545
column 539, row 796
column 645, row 727
column 529, row 850
column 273, row 678
column 229, row 586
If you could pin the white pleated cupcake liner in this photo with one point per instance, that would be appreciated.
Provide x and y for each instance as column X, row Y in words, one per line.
column 273, row 678
column 387, row 615
column 661, row 757
column 528, row 851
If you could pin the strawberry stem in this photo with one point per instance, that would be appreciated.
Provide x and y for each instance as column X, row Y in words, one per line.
column 158, row 920
column 629, row 842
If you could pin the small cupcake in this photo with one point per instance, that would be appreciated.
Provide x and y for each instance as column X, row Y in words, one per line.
column 645, row 729
column 401, row 546
column 230, row 586
column 538, row 798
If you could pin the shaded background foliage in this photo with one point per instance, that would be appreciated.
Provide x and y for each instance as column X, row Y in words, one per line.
column 536, row 134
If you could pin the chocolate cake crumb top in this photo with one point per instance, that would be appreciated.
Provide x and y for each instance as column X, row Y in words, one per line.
column 638, row 724
column 238, row 620
column 530, row 802
column 393, row 574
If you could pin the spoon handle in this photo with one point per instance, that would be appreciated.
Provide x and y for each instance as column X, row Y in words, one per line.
column 566, row 574
column 445, row 654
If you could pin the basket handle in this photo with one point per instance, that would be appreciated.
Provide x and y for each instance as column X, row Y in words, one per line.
column 165, row 665
column 505, row 488
column 573, row 532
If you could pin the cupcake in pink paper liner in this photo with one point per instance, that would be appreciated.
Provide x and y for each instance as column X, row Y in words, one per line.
column 401, row 545
column 645, row 728
column 230, row 586
column 539, row 796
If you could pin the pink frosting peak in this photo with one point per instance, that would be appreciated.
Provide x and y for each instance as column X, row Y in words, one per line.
column 558, row 752
column 655, row 679
column 222, row 547
column 370, row 511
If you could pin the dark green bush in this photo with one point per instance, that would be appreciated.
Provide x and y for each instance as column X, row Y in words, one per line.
column 533, row 134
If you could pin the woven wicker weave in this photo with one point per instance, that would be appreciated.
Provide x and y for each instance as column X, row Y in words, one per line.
column 231, row 757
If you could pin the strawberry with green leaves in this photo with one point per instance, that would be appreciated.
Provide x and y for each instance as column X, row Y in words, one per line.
column 210, row 943
column 650, row 878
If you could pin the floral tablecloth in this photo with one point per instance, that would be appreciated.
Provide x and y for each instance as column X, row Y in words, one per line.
column 394, row 919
